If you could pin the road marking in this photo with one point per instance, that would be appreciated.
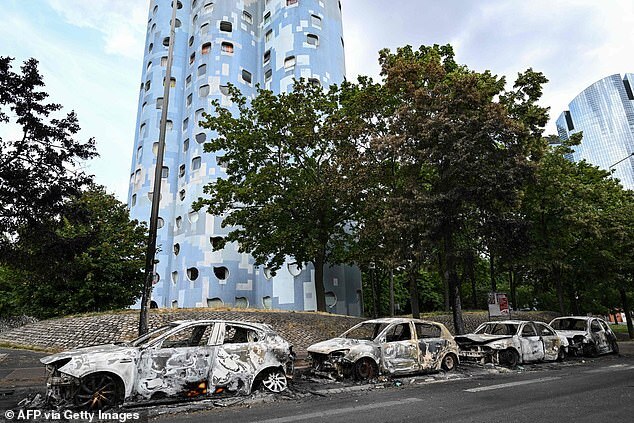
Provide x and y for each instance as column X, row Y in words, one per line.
column 346, row 389
column 613, row 368
column 511, row 384
column 328, row 413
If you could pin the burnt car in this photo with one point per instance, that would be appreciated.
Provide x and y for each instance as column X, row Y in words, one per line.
column 182, row 359
column 390, row 346
column 511, row 342
column 588, row 336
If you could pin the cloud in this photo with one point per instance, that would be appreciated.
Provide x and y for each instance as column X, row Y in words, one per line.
column 573, row 42
column 120, row 21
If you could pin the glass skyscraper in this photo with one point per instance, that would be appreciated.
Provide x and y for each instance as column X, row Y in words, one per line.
column 242, row 42
column 604, row 112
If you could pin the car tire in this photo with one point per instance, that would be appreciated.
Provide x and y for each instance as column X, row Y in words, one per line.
column 561, row 355
column 365, row 369
column 274, row 381
column 509, row 357
column 99, row 391
column 449, row 362
column 615, row 347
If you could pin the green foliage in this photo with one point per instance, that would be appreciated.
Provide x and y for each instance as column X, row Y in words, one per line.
column 90, row 259
column 286, row 193
column 458, row 145
column 40, row 167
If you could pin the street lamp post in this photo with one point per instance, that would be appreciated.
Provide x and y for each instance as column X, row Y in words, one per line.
column 158, row 175
column 621, row 161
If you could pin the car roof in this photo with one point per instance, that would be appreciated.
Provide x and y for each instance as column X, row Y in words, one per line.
column 576, row 317
column 389, row 320
column 176, row 323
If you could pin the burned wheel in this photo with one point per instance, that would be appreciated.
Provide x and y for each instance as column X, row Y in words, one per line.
column 561, row 355
column 98, row 391
column 365, row 369
column 615, row 347
column 449, row 362
column 509, row 357
column 274, row 381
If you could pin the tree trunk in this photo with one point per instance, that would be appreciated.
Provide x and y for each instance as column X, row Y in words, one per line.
column 391, row 292
column 413, row 292
column 469, row 271
column 441, row 271
column 560, row 290
column 320, row 291
column 375, row 294
column 627, row 311
column 451, row 275
column 513, row 286
column 494, row 285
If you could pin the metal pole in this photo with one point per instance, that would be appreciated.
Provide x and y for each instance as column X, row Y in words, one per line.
column 158, row 175
column 620, row 161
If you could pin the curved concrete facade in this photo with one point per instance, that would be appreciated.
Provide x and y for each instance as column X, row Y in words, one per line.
column 604, row 112
column 243, row 42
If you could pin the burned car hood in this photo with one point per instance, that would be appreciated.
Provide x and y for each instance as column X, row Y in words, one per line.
column 472, row 338
column 112, row 350
column 336, row 344
column 571, row 333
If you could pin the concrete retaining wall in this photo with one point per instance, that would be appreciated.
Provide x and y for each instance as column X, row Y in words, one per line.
column 301, row 329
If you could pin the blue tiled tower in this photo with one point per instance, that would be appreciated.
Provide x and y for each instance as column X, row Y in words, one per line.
column 604, row 112
column 242, row 42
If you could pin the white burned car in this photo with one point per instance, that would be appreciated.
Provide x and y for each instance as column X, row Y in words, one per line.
column 182, row 359
column 589, row 336
column 511, row 342
column 386, row 346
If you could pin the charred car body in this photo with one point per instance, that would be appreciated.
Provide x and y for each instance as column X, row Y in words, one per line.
column 588, row 336
column 386, row 346
column 182, row 359
column 512, row 342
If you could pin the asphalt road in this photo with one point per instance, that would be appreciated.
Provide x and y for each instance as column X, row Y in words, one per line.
column 577, row 390
column 598, row 391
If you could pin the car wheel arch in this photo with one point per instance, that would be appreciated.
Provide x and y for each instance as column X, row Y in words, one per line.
column 263, row 372
column 455, row 357
column 120, row 376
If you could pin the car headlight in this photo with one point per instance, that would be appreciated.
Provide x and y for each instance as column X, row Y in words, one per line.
column 498, row 345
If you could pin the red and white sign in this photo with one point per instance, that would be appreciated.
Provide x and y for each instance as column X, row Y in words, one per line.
column 498, row 304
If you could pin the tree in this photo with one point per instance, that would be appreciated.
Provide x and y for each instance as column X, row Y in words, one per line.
column 464, row 153
column 89, row 259
column 286, row 193
column 40, row 167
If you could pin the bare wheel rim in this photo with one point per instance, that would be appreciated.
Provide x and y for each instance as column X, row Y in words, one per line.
column 97, row 392
column 509, row 357
column 365, row 369
column 448, row 362
column 275, row 381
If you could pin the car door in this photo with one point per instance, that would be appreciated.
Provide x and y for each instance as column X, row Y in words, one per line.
column 399, row 349
column 531, row 343
column 430, row 345
column 599, row 336
column 550, row 340
column 238, row 359
column 178, row 364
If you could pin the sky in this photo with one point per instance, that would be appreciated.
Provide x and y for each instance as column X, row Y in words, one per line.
column 91, row 52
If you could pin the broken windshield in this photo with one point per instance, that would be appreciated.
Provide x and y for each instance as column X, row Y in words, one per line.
column 365, row 331
column 497, row 329
column 151, row 336
column 569, row 324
